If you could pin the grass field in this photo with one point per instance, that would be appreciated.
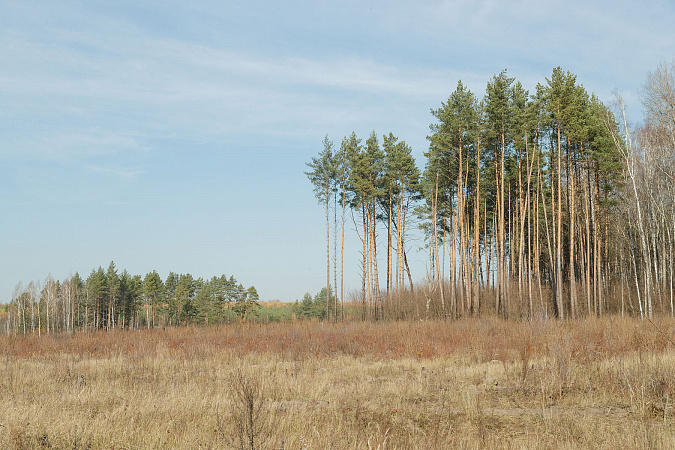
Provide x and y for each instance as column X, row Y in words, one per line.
column 483, row 383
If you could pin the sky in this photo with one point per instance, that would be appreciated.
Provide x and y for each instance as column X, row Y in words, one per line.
column 174, row 136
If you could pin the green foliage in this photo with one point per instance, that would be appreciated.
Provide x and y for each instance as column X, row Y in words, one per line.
column 153, row 291
column 107, row 299
column 276, row 312
column 323, row 172
column 306, row 308
column 185, row 294
column 453, row 141
column 366, row 167
column 312, row 307
column 131, row 293
column 247, row 303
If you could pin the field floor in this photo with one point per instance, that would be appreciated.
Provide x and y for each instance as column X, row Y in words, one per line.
column 482, row 383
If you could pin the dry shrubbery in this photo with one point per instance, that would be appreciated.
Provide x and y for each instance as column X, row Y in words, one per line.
column 607, row 383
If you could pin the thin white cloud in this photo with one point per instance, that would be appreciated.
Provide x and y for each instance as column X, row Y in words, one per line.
column 166, row 88
column 69, row 145
column 165, row 71
column 121, row 172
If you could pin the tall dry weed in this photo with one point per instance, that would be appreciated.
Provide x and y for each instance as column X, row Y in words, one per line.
column 250, row 410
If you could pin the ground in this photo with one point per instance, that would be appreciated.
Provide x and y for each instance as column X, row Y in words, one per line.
column 476, row 383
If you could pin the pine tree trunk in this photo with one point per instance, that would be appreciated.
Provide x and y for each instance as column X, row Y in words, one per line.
column 537, row 249
column 572, row 214
column 559, row 250
column 551, row 255
column 327, row 253
column 399, row 245
column 335, row 309
column 587, row 247
column 488, row 240
column 502, row 230
column 596, row 246
column 405, row 258
column 389, row 246
column 497, row 227
column 439, row 276
column 520, row 220
column 523, row 215
column 475, row 309
column 342, row 253
column 376, row 282
column 460, row 227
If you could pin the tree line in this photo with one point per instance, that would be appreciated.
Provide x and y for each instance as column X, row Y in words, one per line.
column 544, row 203
column 107, row 300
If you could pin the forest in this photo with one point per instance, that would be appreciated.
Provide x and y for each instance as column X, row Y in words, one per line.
column 531, row 205
column 108, row 300
column 542, row 204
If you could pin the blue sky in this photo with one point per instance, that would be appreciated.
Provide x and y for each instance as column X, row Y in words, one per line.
column 170, row 136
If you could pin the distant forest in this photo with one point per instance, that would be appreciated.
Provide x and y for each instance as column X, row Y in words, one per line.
column 543, row 204
column 108, row 300
column 532, row 206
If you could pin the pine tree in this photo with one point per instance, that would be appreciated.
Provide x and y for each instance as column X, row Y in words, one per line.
column 113, row 283
column 454, row 139
column 349, row 146
column 323, row 175
column 365, row 170
column 153, row 291
column 499, row 134
column 400, row 185
column 173, row 306
column 185, row 293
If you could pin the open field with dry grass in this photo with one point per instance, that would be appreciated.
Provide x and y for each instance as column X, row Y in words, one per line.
column 484, row 383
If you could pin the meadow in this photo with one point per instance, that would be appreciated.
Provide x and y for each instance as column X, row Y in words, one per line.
column 473, row 383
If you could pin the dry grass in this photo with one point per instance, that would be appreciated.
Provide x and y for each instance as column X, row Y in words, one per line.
column 606, row 383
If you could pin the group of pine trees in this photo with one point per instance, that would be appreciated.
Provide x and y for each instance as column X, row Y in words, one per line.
column 108, row 300
column 379, row 183
column 521, row 186
column 542, row 204
column 531, row 204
